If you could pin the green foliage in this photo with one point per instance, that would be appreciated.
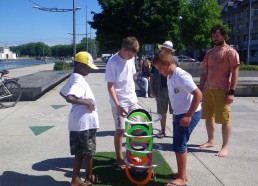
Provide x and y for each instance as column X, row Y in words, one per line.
column 248, row 67
column 61, row 65
column 197, row 18
column 93, row 46
column 155, row 21
column 149, row 21
column 32, row 49
column 62, row 50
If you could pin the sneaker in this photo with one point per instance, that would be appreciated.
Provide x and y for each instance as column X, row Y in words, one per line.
column 146, row 95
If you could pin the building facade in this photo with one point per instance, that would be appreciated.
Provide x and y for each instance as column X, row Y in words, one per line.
column 242, row 18
column 6, row 54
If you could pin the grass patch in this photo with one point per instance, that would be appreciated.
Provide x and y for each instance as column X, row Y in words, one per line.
column 243, row 67
column 109, row 174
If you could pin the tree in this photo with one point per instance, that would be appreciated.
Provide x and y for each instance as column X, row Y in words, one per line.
column 197, row 18
column 185, row 22
column 93, row 46
column 149, row 21
column 32, row 49
column 62, row 50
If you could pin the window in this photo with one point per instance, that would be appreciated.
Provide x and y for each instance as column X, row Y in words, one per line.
column 245, row 38
column 255, row 24
column 254, row 53
column 255, row 11
column 239, row 39
column 239, row 15
column 254, row 36
column 239, row 27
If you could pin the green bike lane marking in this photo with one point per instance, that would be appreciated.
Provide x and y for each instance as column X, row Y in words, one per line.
column 37, row 130
column 40, row 129
column 57, row 106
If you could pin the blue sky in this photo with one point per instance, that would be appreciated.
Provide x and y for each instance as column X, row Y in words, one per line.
column 21, row 23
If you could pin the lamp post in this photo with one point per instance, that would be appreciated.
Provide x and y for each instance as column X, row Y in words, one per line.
column 249, row 33
column 86, row 29
column 64, row 10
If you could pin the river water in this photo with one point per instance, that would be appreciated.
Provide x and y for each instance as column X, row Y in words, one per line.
column 22, row 63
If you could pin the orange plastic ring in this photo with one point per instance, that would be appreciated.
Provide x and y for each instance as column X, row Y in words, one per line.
column 144, row 159
column 145, row 181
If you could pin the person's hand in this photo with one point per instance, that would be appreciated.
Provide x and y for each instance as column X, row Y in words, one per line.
column 229, row 99
column 184, row 122
column 121, row 111
column 90, row 104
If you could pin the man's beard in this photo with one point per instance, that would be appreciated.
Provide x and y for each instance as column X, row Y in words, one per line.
column 218, row 43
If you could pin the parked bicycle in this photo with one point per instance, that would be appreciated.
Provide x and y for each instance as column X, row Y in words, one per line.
column 10, row 90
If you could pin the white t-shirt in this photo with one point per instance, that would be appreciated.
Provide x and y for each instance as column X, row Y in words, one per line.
column 80, row 117
column 120, row 72
column 180, row 86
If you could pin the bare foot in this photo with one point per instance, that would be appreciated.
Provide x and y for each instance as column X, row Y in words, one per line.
column 175, row 176
column 77, row 181
column 206, row 145
column 176, row 182
column 120, row 164
column 223, row 152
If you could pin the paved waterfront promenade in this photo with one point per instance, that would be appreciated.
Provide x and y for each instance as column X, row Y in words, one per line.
column 34, row 146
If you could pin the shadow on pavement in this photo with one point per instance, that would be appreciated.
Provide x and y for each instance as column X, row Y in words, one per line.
column 195, row 148
column 105, row 133
column 98, row 71
column 10, row 178
column 56, row 164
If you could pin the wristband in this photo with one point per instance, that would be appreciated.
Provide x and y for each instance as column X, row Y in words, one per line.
column 231, row 92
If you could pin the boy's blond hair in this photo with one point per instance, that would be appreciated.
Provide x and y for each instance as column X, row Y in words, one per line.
column 162, row 57
column 131, row 44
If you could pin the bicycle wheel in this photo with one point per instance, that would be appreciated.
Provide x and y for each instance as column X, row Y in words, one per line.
column 15, row 90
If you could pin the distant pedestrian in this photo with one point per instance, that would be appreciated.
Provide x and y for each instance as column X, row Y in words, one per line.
column 218, row 83
column 159, row 90
column 83, row 118
column 185, row 99
column 121, row 87
column 144, row 75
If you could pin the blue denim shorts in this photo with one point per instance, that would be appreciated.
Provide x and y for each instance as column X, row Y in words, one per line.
column 181, row 135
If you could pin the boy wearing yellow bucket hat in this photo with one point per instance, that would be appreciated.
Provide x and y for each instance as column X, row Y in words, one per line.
column 83, row 118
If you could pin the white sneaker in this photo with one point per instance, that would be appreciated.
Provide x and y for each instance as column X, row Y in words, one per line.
column 146, row 95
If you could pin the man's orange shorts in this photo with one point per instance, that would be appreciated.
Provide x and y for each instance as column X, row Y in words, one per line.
column 214, row 106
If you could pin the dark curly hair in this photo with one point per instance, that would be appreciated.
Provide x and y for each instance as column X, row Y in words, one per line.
column 221, row 29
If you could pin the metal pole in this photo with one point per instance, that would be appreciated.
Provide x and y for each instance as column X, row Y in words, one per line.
column 86, row 30
column 74, row 33
column 249, row 33
column 90, row 41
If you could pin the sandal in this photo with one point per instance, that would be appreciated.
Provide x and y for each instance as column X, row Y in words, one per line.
column 162, row 135
column 122, row 167
column 89, row 182
column 173, row 184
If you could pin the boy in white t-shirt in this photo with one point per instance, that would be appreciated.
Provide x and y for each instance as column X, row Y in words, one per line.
column 120, row 82
column 83, row 117
column 185, row 99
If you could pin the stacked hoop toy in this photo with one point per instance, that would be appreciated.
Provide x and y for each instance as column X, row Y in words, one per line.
column 139, row 143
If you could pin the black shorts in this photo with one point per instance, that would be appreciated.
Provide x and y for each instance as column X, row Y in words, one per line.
column 83, row 142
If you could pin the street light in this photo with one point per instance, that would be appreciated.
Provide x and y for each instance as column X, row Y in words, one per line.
column 249, row 33
column 78, row 34
column 55, row 9
column 64, row 10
